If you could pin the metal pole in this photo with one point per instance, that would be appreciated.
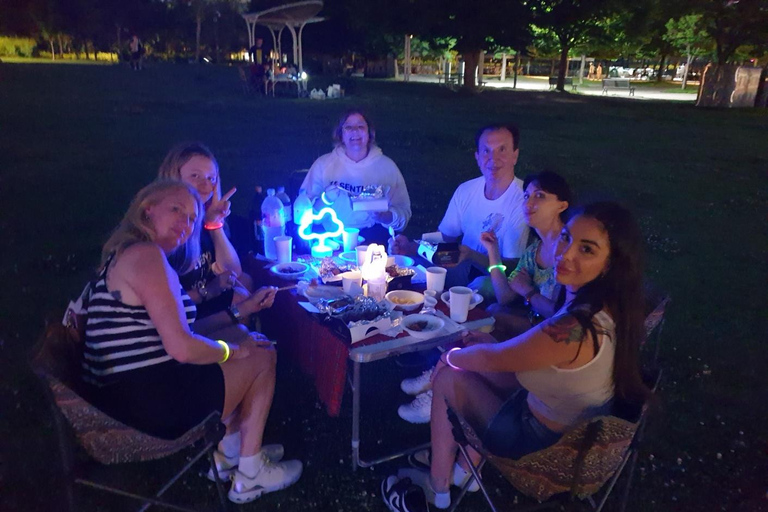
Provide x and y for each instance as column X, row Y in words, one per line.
column 301, row 48
column 355, row 415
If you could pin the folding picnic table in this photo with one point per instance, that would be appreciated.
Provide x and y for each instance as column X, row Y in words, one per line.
column 325, row 357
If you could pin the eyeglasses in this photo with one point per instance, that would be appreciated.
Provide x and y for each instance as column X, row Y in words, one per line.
column 357, row 128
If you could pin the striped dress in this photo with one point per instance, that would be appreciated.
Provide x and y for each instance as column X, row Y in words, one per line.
column 120, row 338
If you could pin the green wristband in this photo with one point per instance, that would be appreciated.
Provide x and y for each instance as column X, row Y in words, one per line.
column 499, row 266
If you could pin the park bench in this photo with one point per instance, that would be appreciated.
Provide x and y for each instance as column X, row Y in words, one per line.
column 617, row 83
column 568, row 81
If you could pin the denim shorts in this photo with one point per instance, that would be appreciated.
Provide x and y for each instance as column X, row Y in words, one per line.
column 514, row 431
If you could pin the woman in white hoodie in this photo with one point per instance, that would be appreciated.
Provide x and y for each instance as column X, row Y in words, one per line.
column 355, row 166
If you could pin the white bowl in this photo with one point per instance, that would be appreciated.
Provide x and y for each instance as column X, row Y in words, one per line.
column 400, row 260
column 405, row 300
column 433, row 323
column 292, row 270
column 349, row 257
column 476, row 299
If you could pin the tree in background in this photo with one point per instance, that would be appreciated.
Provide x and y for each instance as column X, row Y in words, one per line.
column 477, row 27
column 573, row 22
column 733, row 24
column 687, row 35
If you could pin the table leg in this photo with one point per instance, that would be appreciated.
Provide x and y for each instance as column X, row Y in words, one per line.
column 355, row 415
column 356, row 461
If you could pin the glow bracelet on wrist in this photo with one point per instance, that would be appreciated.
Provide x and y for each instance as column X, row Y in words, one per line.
column 448, row 358
column 227, row 351
column 211, row 226
column 499, row 266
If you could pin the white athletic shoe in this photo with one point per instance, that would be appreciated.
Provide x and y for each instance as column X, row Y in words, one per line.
column 418, row 385
column 272, row 476
column 227, row 465
column 419, row 410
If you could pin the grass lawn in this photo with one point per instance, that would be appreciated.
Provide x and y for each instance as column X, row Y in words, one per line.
column 666, row 86
column 77, row 142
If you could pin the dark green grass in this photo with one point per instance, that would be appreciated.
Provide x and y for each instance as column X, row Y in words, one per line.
column 77, row 142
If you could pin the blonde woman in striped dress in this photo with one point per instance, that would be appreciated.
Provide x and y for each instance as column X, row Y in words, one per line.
column 145, row 363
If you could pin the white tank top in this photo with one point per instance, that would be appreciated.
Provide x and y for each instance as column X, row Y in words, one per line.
column 568, row 396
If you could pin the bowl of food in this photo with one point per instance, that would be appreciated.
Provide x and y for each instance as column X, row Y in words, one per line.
column 405, row 300
column 476, row 299
column 422, row 326
column 290, row 270
column 400, row 261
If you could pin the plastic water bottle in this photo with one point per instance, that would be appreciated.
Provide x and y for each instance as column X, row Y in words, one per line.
column 282, row 196
column 272, row 222
column 302, row 204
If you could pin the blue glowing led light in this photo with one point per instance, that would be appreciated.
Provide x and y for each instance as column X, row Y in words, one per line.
column 321, row 249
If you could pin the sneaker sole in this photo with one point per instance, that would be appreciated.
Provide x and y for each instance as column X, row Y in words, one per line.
column 415, row 421
column 254, row 494
column 412, row 392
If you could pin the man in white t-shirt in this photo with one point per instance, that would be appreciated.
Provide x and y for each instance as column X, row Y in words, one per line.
column 492, row 202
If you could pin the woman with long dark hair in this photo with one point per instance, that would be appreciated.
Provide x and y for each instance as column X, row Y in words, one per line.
column 521, row 395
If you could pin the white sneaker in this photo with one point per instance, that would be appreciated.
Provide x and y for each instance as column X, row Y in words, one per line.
column 272, row 476
column 419, row 410
column 418, row 385
column 226, row 466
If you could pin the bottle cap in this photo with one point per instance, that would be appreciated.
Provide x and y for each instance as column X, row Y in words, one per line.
column 270, row 191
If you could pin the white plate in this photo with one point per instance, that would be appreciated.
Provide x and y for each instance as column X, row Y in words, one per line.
column 292, row 270
column 315, row 293
column 476, row 299
column 400, row 260
column 436, row 325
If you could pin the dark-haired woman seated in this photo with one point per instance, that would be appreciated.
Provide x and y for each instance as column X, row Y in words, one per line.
column 547, row 197
column 146, row 367
column 521, row 395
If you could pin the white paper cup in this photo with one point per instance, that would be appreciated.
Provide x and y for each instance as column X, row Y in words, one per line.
column 430, row 302
column 283, row 246
column 352, row 282
column 349, row 237
column 361, row 249
column 436, row 278
column 461, row 296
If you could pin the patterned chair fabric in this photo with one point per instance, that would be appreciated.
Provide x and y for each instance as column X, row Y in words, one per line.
column 104, row 438
column 543, row 474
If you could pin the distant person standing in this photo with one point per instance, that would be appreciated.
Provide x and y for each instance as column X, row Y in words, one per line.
column 591, row 75
column 137, row 52
column 599, row 71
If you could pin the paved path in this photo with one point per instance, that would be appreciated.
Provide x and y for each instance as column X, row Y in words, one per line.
column 593, row 88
